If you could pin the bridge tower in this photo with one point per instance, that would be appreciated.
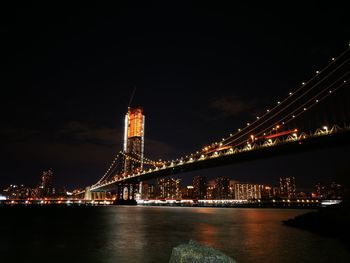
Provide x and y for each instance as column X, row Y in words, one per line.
column 134, row 141
column 134, row 130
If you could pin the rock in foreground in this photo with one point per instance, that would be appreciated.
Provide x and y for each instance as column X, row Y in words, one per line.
column 194, row 252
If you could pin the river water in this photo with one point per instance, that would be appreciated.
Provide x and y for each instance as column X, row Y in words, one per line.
column 148, row 234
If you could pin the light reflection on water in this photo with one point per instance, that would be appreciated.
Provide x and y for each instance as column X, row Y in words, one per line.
column 148, row 234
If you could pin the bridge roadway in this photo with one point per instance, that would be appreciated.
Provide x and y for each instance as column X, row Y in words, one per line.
column 314, row 142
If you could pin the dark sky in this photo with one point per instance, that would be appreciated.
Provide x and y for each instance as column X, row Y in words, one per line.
column 201, row 72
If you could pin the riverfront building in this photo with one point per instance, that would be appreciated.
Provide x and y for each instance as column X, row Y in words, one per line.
column 200, row 187
column 168, row 188
column 248, row 191
column 288, row 187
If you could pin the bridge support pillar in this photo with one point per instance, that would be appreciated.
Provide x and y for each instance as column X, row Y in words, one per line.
column 126, row 194
column 88, row 194
column 98, row 195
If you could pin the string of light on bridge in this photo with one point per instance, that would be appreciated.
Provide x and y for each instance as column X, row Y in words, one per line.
column 292, row 115
column 144, row 160
column 110, row 169
column 279, row 104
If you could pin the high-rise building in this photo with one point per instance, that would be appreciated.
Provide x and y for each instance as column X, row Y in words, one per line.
column 267, row 192
column 247, row 191
column 148, row 191
column 134, row 131
column 18, row 192
column 329, row 191
column 321, row 190
column 211, row 189
column 222, row 188
column 200, row 187
column 168, row 188
column 187, row 192
column 287, row 187
column 45, row 186
column 276, row 192
column 232, row 189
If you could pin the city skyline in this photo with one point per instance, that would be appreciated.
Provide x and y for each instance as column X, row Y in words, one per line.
column 173, row 188
column 188, row 80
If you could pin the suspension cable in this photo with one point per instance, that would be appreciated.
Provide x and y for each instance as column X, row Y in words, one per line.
column 281, row 110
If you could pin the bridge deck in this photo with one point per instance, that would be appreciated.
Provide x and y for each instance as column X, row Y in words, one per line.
column 309, row 144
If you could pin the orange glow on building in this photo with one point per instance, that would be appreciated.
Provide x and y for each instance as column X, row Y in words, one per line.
column 135, row 125
column 134, row 140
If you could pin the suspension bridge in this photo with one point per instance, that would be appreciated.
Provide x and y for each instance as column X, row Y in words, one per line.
column 313, row 116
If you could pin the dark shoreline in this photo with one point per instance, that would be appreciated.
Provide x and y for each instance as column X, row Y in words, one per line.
column 329, row 221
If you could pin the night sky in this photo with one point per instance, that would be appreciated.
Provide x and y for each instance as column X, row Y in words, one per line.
column 200, row 72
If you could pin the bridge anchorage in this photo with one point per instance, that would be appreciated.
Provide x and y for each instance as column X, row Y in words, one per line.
column 302, row 121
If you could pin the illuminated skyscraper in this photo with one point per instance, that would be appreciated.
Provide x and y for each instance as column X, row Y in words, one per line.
column 134, row 140
column 168, row 188
column 200, row 187
column 45, row 187
column 222, row 188
column 248, row 191
column 287, row 187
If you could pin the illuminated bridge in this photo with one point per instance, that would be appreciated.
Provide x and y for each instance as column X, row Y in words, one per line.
column 315, row 115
